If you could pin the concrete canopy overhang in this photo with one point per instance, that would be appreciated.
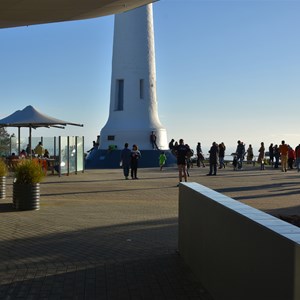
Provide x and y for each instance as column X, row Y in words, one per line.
column 14, row 13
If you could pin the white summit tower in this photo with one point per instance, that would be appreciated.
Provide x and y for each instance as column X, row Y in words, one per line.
column 133, row 113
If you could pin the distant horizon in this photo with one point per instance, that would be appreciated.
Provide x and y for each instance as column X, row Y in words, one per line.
column 205, row 148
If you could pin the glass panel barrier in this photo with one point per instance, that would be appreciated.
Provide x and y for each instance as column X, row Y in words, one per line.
column 64, row 164
column 13, row 146
column 72, row 154
column 48, row 143
column 80, row 153
column 68, row 152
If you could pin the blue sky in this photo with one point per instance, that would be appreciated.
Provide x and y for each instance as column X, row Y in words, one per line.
column 226, row 70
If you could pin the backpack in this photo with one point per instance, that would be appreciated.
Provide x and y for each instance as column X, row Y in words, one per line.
column 190, row 153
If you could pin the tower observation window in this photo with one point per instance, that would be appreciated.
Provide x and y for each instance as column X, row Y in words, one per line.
column 141, row 88
column 119, row 94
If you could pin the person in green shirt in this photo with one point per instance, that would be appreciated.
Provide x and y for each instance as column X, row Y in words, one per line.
column 162, row 159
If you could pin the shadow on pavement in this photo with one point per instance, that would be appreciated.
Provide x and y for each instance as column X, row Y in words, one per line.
column 135, row 260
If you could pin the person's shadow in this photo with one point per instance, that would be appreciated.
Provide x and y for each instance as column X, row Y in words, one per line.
column 6, row 207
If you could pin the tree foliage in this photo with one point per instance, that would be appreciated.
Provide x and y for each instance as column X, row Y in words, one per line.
column 3, row 133
column 4, row 141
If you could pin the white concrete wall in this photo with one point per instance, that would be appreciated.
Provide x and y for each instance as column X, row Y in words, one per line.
column 236, row 251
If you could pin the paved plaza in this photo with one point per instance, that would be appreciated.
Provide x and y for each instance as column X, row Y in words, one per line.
column 98, row 236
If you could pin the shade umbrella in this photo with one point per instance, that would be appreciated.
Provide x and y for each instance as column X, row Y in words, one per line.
column 32, row 118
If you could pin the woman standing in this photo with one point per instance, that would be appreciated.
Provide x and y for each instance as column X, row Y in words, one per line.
column 135, row 156
column 291, row 157
column 222, row 149
column 250, row 154
column 200, row 156
column 261, row 156
column 213, row 159
column 276, row 156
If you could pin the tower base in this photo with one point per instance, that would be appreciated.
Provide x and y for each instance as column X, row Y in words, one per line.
column 110, row 159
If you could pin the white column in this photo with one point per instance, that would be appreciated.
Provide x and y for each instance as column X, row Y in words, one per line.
column 133, row 113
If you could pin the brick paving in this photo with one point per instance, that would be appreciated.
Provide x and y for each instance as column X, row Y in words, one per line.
column 98, row 236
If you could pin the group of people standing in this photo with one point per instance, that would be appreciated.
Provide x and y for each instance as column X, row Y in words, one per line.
column 288, row 156
column 216, row 157
column 283, row 154
column 183, row 153
column 129, row 160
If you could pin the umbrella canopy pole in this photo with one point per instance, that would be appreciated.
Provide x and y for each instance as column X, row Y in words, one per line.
column 19, row 140
column 30, row 146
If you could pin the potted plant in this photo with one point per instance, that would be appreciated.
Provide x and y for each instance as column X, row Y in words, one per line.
column 26, row 187
column 3, row 174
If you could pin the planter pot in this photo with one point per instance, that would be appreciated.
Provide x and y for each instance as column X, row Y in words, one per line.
column 2, row 187
column 26, row 196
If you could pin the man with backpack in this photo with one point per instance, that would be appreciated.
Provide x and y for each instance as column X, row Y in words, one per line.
column 182, row 151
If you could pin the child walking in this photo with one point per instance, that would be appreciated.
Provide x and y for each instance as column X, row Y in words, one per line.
column 162, row 160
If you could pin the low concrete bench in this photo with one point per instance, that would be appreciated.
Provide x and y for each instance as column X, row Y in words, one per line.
column 236, row 251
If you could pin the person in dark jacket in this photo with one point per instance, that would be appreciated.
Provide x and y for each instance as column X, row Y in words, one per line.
column 271, row 154
column 240, row 152
column 181, row 152
column 213, row 159
column 153, row 140
column 125, row 160
column 135, row 156
column 291, row 157
column 276, row 156
column 222, row 149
